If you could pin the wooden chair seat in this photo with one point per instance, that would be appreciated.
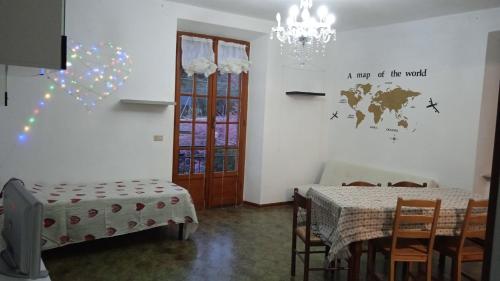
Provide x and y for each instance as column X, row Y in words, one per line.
column 413, row 249
column 315, row 240
column 471, row 250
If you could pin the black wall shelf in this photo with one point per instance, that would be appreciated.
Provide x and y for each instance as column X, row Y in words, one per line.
column 298, row 93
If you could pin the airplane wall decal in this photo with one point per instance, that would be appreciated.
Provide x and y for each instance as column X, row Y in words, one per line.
column 433, row 105
column 335, row 115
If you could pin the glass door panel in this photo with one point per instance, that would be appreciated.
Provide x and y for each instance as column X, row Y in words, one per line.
column 235, row 85
column 200, row 157
column 184, row 167
column 231, row 160
column 233, row 135
column 190, row 148
column 224, row 182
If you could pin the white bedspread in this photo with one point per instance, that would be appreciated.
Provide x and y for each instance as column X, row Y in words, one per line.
column 77, row 213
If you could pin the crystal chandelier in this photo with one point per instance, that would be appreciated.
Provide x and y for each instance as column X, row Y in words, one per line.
column 304, row 35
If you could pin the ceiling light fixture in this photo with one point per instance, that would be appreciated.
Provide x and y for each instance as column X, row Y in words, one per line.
column 304, row 35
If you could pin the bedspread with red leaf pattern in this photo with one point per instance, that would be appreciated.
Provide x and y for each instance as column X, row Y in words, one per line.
column 83, row 212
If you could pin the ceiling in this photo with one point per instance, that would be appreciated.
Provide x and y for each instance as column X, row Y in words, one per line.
column 352, row 14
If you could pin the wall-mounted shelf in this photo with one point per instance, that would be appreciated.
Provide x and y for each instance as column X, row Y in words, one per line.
column 298, row 93
column 147, row 102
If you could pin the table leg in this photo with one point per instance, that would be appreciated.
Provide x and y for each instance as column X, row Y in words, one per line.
column 355, row 261
column 181, row 232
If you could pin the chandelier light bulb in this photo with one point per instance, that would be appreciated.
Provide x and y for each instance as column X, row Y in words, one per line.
column 278, row 19
column 322, row 12
column 294, row 11
column 330, row 19
column 305, row 15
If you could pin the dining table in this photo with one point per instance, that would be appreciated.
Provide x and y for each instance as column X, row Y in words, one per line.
column 345, row 217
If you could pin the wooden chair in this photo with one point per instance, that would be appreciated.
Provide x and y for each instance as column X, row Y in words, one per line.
column 307, row 237
column 412, row 238
column 407, row 184
column 361, row 183
column 466, row 247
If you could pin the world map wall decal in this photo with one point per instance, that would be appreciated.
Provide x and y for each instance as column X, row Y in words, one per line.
column 380, row 104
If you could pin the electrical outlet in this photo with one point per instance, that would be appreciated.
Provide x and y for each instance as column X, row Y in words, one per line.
column 158, row 138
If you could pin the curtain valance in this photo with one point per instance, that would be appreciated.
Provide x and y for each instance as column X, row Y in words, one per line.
column 232, row 58
column 198, row 56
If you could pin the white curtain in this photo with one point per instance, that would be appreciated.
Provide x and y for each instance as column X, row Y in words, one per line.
column 232, row 58
column 198, row 56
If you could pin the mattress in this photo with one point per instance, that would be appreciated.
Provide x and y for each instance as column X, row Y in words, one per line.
column 84, row 212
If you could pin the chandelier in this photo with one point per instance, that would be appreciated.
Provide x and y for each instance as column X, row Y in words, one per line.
column 304, row 35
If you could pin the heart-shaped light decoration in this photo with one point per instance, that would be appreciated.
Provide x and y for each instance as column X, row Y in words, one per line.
column 93, row 73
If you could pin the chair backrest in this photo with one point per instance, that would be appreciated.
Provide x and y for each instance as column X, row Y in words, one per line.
column 474, row 225
column 361, row 183
column 336, row 172
column 407, row 184
column 301, row 202
column 412, row 221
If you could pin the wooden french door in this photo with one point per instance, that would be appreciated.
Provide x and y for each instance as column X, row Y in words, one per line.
column 210, row 133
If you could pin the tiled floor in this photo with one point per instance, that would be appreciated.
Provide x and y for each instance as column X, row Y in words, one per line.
column 242, row 243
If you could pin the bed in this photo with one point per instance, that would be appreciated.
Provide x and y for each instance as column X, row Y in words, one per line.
column 84, row 212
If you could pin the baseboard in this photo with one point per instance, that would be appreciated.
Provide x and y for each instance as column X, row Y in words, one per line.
column 267, row 205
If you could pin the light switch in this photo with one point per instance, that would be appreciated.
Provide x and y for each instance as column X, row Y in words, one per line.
column 158, row 138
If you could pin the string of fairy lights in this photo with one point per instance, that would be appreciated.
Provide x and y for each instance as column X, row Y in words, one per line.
column 92, row 74
column 31, row 120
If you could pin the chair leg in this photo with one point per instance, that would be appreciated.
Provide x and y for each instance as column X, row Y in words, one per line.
column 326, row 263
column 370, row 269
column 386, row 263
column 333, row 264
column 392, row 270
column 429, row 270
column 294, row 254
column 457, row 269
column 306, row 262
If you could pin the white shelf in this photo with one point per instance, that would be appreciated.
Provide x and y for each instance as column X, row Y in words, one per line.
column 148, row 102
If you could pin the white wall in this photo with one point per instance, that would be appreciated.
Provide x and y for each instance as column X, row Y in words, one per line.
column 255, row 120
column 294, row 133
column 115, row 141
column 453, row 49
column 488, row 116
column 289, row 138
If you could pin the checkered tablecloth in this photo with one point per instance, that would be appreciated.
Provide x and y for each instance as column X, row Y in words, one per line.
column 342, row 215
